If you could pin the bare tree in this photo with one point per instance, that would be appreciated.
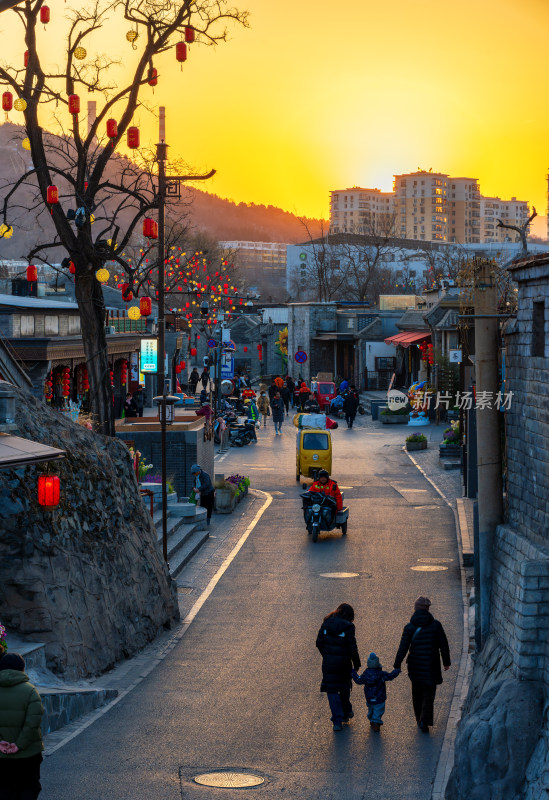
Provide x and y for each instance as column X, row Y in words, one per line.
column 324, row 272
column 85, row 168
column 522, row 230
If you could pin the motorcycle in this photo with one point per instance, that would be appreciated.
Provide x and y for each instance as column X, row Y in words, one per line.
column 240, row 435
column 320, row 513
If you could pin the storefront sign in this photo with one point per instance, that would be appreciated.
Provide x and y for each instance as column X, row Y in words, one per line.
column 149, row 355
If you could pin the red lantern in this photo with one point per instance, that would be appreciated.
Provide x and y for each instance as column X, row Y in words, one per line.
column 245, row 349
column 72, row 268
column 44, row 15
column 52, row 195
column 153, row 77
column 74, row 104
column 189, row 35
column 182, row 364
column 178, row 369
column 150, row 228
column 145, row 306
column 112, row 128
column 193, row 351
column 32, row 273
column 181, row 51
column 133, row 137
column 26, row 58
column 127, row 294
column 48, row 490
column 7, row 101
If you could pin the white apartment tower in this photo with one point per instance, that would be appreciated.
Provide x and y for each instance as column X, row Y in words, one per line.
column 357, row 210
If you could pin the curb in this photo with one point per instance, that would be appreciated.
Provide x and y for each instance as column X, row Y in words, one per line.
column 54, row 742
column 446, row 758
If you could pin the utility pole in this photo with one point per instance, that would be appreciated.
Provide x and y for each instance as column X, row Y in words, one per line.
column 490, row 493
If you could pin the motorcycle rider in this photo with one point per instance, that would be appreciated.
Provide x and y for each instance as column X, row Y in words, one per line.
column 253, row 415
column 326, row 485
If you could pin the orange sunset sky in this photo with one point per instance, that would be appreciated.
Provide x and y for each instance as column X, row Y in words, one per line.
column 316, row 96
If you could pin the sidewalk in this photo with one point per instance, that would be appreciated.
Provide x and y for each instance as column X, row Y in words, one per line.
column 448, row 485
column 225, row 532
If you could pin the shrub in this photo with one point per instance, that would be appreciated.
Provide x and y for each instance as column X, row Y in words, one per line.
column 400, row 412
column 416, row 437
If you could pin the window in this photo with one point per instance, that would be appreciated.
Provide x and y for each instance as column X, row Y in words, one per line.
column 74, row 325
column 27, row 325
column 51, row 325
column 538, row 329
column 315, row 441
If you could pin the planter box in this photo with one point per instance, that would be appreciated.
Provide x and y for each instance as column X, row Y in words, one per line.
column 446, row 450
column 394, row 419
column 416, row 445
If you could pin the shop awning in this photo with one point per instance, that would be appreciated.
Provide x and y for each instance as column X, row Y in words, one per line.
column 406, row 338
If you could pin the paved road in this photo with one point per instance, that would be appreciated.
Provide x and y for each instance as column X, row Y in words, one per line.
column 241, row 688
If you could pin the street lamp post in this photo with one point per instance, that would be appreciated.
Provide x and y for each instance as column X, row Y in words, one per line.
column 175, row 181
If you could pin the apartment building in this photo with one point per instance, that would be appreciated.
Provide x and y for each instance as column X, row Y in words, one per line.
column 421, row 206
column 358, row 210
column 510, row 212
column 261, row 264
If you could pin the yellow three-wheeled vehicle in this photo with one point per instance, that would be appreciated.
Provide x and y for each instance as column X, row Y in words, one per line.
column 313, row 452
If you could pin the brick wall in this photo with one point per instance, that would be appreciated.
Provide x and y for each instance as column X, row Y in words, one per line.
column 520, row 586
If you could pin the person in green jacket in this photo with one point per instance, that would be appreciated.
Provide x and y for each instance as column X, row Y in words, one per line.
column 20, row 734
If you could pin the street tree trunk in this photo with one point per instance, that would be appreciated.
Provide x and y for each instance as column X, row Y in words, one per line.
column 89, row 296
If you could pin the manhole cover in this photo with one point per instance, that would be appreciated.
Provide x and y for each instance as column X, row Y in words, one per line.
column 339, row 575
column 436, row 560
column 429, row 568
column 229, row 780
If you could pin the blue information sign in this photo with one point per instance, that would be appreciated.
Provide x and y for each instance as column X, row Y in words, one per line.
column 149, row 355
column 301, row 356
column 227, row 366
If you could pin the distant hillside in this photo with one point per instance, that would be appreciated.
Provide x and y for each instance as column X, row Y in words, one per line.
column 221, row 219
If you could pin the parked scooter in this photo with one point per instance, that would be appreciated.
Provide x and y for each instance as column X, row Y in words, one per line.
column 240, row 435
column 320, row 513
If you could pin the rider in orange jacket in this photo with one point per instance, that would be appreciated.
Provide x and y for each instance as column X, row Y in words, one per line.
column 324, row 484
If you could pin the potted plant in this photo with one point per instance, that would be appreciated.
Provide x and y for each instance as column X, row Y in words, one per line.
column 3, row 642
column 450, row 445
column 416, row 441
column 400, row 417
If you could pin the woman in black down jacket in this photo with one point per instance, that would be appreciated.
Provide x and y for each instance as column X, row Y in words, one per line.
column 337, row 644
column 426, row 642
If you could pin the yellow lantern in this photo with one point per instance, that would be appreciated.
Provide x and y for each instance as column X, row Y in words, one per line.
column 134, row 312
column 80, row 53
column 20, row 104
column 131, row 36
column 6, row 231
column 25, row 144
column 102, row 275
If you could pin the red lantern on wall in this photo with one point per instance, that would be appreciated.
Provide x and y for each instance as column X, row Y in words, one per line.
column 189, row 35
column 150, row 228
column 181, row 52
column 182, row 364
column 72, row 268
column 193, row 351
column 7, row 101
column 52, row 195
column 32, row 273
column 153, row 77
column 48, row 490
column 145, row 306
column 74, row 104
column 245, row 349
column 112, row 128
column 44, row 15
column 133, row 137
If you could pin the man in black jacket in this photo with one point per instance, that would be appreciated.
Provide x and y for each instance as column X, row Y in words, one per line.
column 350, row 406
column 424, row 640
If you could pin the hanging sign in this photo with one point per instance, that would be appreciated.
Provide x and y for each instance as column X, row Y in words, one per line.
column 149, row 355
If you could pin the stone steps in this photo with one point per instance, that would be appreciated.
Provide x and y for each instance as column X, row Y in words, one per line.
column 186, row 535
column 184, row 553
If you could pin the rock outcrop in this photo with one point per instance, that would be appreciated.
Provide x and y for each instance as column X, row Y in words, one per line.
column 86, row 578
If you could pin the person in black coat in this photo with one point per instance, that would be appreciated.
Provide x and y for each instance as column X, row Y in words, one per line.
column 350, row 406
column 424, row 640
column 337, row 644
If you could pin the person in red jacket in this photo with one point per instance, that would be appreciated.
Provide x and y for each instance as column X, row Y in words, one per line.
column 324, row 484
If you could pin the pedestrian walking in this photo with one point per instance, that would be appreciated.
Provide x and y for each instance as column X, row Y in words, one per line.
column 279, row 382
column 20, row 734
column 337, row 644
column 291, row 389
column 205, row 378
column 350, row 407
column 304, row 394
column 194, row 377
column 139, row 400
column 285, row 395
column 277, row 407
column 203, row 489
column 264, row 407
column 374, row 679
column 273, row 389
column 130, row 409
column 424, row 640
